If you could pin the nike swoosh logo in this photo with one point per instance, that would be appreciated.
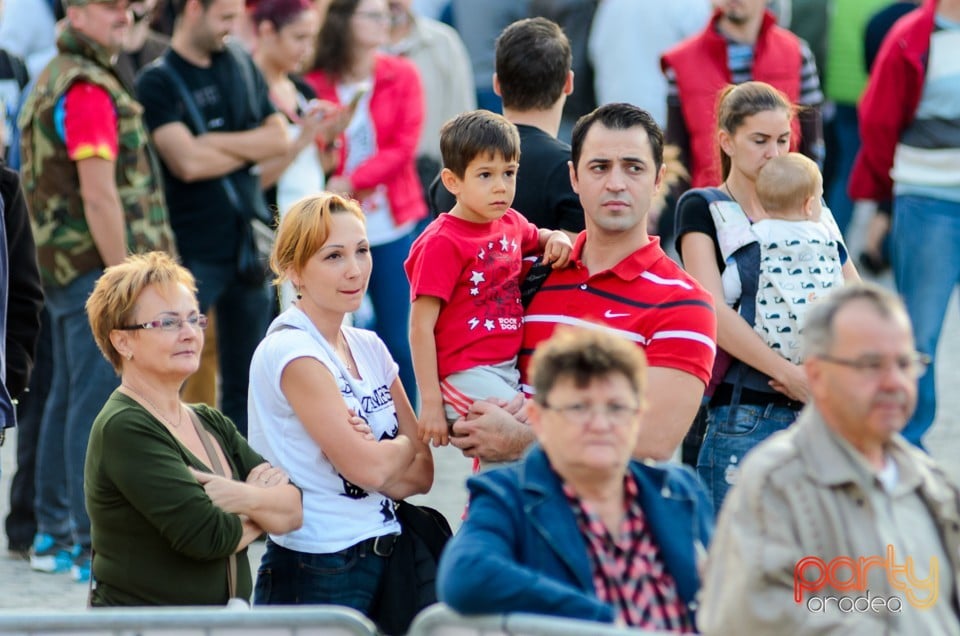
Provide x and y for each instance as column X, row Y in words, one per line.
column 610, row 314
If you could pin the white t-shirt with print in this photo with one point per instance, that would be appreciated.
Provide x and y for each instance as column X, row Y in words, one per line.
column 336, row 513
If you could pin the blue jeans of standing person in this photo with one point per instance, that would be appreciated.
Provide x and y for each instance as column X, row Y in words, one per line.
column 732, row 431
column 243, row 314
column 389, row 294
column 925, row 256
column 847, row 136
column 82, row 382
column 349, row 577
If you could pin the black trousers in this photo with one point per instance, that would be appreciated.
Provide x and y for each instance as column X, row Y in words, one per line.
column 21, row 523
column 690, row 449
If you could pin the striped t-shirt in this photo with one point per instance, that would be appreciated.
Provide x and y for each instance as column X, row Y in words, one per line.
column 928, row 154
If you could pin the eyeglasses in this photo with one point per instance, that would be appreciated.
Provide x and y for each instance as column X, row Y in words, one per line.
column 583, row 414
column 374, row 16
column 170, row 323
column 912, row 365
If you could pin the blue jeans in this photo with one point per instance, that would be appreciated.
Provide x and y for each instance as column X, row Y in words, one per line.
column 349, row 577
column 82, row 382
column 925, row 256
column 243, row 314
column 389, row 293
column 731, row 433
column 847, row 137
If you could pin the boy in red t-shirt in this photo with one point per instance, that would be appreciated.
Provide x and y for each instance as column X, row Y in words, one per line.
column 464, row 273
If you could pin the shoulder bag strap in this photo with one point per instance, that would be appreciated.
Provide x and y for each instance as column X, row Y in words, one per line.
column 244, row 67
column 209, row 446
column 196, row 120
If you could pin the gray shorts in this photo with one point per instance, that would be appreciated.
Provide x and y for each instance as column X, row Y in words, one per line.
column 460, row 390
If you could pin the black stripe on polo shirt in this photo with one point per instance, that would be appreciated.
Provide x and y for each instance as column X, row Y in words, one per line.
column 626, row 301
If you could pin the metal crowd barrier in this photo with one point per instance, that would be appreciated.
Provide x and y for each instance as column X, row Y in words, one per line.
column 317, row 620
column 440, row 620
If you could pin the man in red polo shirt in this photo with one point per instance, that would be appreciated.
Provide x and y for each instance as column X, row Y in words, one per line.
column 620, row 280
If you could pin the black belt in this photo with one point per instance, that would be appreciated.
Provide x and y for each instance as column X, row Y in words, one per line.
column 382, row 545
column 723, row 396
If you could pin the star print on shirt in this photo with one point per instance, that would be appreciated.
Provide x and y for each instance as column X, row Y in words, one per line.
column 488, row 324
column 504, row 243
column 474, row 291
column 477, row 277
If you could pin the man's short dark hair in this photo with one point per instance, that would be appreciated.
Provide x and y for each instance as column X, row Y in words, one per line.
column 475, row 133
column 618, row 117
column 533, row 59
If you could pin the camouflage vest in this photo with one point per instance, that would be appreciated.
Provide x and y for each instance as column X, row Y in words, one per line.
column 65, row 247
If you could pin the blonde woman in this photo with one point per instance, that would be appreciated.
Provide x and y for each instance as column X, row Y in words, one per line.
column 327, row 406
column 167, row 529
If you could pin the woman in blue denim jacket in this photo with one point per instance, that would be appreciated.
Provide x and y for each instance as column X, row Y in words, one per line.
column 577, row 529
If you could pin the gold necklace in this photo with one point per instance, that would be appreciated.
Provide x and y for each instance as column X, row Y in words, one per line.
column 726, row 186
column 345, row 354
column 155, row 409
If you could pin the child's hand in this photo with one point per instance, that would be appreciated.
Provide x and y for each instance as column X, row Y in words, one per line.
column 432, row 427
column 557, row 250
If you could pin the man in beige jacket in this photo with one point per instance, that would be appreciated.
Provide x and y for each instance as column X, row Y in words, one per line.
column 838, row 525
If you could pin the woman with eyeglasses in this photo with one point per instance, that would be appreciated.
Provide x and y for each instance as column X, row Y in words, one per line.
column 377, row 155
column 174, row 493
column 578, row 528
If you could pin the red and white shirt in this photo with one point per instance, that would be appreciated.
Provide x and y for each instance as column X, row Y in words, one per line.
column 474, row 268
column 645, row 298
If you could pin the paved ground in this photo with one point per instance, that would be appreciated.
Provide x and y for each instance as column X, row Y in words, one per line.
column 21, row 588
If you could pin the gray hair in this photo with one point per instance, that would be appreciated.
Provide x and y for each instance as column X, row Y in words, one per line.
column 818, row 327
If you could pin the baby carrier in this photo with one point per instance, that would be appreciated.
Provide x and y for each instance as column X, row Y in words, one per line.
column 770, row 283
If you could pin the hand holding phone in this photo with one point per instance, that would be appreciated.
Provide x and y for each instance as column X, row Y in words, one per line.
column 362, row 90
